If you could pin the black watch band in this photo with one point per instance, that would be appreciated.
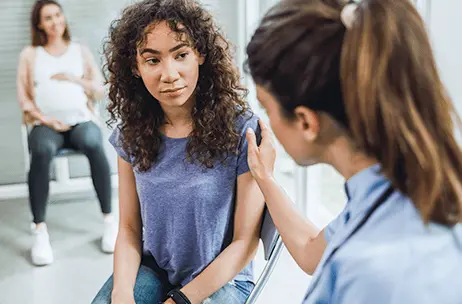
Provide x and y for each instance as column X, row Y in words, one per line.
column 179, row 297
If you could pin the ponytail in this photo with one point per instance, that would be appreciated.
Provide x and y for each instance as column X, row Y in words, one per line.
column 397, row 107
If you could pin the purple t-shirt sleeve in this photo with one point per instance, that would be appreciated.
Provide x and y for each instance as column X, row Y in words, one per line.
column 242, row 164
column 116, row 141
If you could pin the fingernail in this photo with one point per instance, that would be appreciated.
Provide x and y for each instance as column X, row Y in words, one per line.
column 249, row 130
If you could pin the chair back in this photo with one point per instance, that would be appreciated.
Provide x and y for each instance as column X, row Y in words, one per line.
column 272, row 244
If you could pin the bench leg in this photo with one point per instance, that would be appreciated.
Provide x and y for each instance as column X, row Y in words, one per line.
column 62, row 170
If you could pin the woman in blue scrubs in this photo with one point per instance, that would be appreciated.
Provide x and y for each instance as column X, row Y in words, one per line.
column 356, row 86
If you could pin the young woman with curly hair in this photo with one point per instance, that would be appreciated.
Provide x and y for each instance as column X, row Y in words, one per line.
column 190, row 211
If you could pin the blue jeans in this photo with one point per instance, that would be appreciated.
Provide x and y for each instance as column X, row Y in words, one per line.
column 150, row 289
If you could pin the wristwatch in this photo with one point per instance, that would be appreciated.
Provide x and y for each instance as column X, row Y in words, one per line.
column 179, row 297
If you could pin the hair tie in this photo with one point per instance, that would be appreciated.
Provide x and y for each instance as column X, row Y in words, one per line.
column 348, row 14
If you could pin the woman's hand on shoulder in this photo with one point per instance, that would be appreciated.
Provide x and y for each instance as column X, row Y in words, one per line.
column 261, row 158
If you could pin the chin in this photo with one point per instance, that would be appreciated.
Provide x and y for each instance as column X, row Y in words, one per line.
column 306, row 162
column 174, row 101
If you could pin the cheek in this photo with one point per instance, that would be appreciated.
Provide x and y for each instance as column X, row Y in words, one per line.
column 151, row 82
column 287, row 137
column 190, row 73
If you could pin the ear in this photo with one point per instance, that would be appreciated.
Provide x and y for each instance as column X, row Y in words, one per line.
column 201, row 59
column 136, row 73
column 308, row 121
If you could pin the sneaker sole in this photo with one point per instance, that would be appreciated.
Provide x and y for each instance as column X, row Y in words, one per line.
column 42, row 261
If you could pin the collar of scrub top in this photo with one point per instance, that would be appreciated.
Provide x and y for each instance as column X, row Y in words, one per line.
column 358, row 188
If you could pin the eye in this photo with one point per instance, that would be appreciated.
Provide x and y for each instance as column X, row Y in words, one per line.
column 152, row 61
column 182, row 55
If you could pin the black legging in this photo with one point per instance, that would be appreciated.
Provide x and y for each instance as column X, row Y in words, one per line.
column 44, row 144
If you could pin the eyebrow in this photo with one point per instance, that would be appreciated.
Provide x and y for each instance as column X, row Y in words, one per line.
column 152, row 51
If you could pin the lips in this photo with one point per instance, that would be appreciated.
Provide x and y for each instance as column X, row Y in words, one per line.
column 172, row 90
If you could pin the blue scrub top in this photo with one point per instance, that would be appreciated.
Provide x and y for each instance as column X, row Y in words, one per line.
column 394, row 258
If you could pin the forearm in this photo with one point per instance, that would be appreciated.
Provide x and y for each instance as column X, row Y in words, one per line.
column 35, row 115
column 127, row 258
column 94, row 89
column 296, row 231
column 222, row 270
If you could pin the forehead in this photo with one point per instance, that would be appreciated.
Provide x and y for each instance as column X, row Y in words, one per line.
column 50, row 9
column 159, row 34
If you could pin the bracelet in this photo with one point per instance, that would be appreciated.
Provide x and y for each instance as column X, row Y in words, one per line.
column 179, row 297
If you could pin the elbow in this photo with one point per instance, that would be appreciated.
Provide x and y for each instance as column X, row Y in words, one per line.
column 308, row 269
column 99, row 94
column 129, row 231
column 305, row 255
column 248, row 247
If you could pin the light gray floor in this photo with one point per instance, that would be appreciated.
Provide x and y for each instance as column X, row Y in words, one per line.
column 80, row 268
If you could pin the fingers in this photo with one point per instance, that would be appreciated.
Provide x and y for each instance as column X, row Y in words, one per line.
column 266, row 134
column 251, row 139
column 265, row 131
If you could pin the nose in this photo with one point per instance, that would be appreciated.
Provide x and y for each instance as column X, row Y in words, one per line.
column 169, row 72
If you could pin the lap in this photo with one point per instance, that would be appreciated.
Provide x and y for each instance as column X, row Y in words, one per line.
column 86, row 136
column 235, row 292
column 43, row 139
column 148, row 288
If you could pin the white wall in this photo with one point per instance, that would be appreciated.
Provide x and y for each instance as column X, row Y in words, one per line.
column 445, row 26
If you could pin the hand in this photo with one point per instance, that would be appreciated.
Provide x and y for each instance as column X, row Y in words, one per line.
column 63, row 77
column 261, row 158
column 55, row 124
column 169, row 301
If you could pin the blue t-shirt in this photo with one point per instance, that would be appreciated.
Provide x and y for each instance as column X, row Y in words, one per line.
column 188, row 210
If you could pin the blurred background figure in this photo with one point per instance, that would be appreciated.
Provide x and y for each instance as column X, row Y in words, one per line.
column 57, row 82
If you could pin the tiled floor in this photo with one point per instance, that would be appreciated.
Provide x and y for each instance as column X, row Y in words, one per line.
column 80, row 267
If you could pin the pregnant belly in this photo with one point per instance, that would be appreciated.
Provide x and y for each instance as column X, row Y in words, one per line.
column 60, row 96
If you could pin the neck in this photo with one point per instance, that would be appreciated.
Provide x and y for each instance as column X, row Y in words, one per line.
column 346, row 159
column 178, row 116
column 54, row 41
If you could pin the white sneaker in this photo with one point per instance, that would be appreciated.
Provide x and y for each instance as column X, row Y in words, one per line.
column 109, row 235
column 41, row 252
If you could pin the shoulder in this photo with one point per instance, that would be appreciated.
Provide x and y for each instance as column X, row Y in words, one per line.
column 86, row 53
column 246, row 120
column 27, row 53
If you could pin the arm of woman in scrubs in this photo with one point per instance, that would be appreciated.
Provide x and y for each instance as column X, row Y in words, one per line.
column 303, row 240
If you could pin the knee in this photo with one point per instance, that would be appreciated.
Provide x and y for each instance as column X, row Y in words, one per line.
column 43, row 151
column 105, row 293
column 92, row 144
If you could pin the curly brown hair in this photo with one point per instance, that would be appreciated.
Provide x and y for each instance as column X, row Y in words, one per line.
column 220, row 98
